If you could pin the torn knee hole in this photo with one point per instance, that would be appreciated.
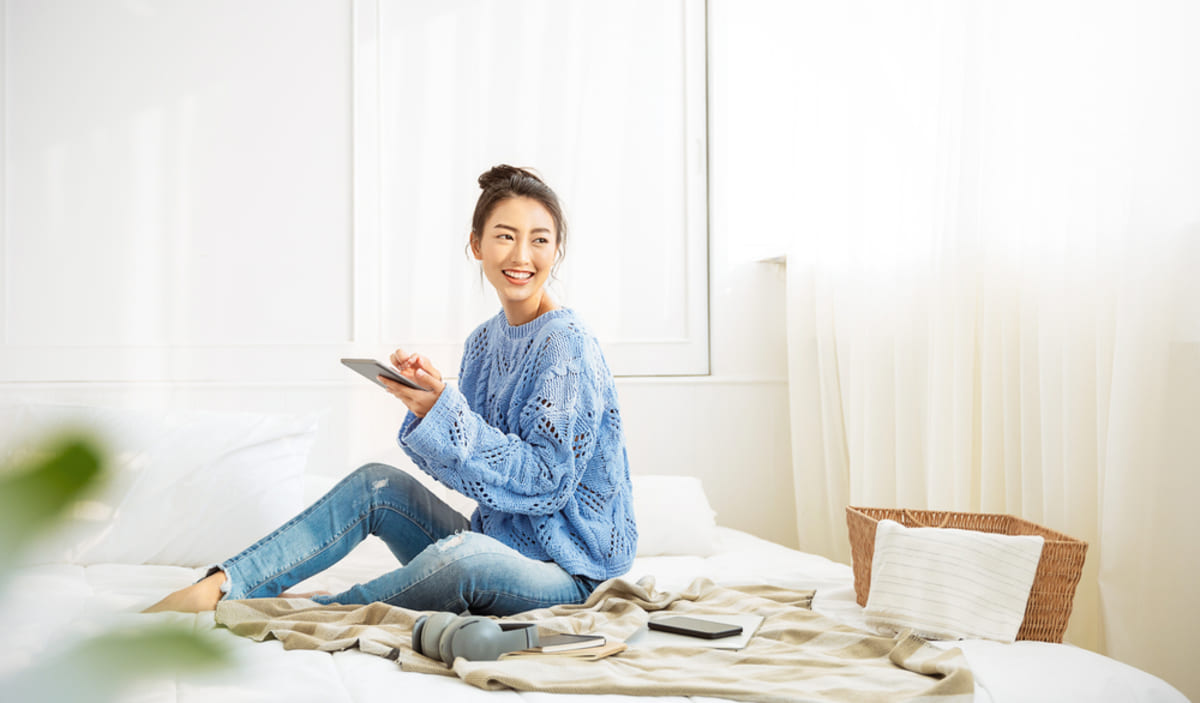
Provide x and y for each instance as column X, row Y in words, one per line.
column 450, row 542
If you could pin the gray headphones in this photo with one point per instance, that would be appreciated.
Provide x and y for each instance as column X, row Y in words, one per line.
column 445, row 636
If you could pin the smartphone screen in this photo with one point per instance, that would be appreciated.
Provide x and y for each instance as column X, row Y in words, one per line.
column 370, row 368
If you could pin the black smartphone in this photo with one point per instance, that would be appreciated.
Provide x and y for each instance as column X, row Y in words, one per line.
column 371, row 368
column 695, row 627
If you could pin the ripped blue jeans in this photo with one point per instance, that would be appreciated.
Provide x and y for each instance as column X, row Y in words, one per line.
column 444, row 566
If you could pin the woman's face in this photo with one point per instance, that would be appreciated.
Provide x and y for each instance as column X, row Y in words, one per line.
column 517, row 249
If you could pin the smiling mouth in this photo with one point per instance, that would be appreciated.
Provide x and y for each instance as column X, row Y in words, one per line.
column 518, row 276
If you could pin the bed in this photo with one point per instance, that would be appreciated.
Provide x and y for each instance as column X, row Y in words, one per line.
column 74, row 587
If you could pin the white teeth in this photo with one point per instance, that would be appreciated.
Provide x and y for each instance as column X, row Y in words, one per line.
column 518, row 274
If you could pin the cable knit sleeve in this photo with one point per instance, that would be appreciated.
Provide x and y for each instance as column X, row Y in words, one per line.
column 537, row 472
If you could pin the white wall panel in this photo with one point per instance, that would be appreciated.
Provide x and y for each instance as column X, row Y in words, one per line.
column 194, row 189
column 3, row 169
column 179, row 173
column 609, row 110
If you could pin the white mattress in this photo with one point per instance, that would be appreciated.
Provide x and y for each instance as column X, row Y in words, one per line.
column 48, row 605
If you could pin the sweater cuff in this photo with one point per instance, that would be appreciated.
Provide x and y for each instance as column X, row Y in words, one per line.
column 427, row 437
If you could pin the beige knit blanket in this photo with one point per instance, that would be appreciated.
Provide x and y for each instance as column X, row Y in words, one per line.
column 796, row 655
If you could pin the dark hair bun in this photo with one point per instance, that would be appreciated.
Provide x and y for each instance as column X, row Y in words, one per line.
column 505, row 176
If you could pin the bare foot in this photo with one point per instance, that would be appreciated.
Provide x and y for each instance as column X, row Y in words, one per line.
column 198, row 597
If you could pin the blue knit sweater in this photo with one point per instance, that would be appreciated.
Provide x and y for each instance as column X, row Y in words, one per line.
column 533, row 434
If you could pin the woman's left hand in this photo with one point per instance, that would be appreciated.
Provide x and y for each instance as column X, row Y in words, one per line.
column 419, row 369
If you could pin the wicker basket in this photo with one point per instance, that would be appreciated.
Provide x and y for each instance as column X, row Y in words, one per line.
column 1058, row 572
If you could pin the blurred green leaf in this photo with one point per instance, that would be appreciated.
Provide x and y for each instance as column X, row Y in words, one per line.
column 97, row 669
column 36, row 493
column 34, row 496
column 150, row 650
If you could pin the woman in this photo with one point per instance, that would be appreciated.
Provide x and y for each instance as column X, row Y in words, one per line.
column 532, row 433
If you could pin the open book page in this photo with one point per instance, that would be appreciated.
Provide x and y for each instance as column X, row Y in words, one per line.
column 559, row 641
column 609, row 648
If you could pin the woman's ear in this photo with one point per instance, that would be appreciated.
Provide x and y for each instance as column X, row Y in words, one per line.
column 473, row 242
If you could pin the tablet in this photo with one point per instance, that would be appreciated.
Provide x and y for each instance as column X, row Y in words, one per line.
column 370, row 368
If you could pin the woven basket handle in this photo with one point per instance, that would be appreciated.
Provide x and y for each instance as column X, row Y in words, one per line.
column 913, row 519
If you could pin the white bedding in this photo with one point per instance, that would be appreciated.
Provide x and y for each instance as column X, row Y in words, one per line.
column 49, row 604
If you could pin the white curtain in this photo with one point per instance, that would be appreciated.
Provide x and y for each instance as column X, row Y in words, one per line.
column 991, row 296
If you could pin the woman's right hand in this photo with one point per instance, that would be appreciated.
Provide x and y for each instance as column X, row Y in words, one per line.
column 419, row 369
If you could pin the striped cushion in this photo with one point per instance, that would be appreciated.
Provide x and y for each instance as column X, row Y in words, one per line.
column 950, row 584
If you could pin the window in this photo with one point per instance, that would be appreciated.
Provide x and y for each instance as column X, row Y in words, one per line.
column 609, row 110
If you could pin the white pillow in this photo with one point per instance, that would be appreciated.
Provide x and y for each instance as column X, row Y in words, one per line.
column 673, row 516
column 185, row 488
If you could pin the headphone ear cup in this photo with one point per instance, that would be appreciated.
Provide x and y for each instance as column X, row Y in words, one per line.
column 418, row 628
column 446, row 650
column 431, row 633
column 485, row 639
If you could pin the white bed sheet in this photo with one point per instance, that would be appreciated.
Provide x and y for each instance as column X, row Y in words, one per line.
column 48, row 605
